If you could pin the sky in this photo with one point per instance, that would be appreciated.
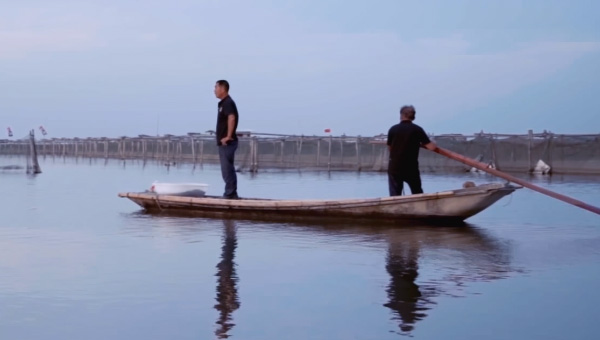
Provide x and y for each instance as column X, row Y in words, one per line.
column 122, row 68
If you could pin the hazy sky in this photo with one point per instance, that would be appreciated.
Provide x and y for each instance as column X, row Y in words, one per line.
column 112, row 68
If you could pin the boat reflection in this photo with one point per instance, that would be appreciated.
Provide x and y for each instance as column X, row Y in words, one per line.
column 458, row 255
column 461, row 255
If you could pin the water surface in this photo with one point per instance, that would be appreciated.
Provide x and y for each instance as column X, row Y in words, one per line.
column 77, row 262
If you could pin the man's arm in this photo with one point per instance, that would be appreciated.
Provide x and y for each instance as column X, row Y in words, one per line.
column 230, row 126
column 426, row 142
column 430, row 146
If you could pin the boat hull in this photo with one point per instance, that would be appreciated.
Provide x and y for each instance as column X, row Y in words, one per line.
column 455, row 205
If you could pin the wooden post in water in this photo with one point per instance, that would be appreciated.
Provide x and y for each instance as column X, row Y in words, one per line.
column 299, row 151
column 154, row 146
column 329, row 161
column 358, row 167
column 530, row 145
column 33, row 154
column 76, row 151
column 342, row 149
column 193, row 150
column 493, row 147
column 318, row 151
column 121, row 148
column 373, row 156
column 250, row 155
column 550, row 145
column 256, row 141
column 254, row 154
column 281, row 151
column 384, row 164
column 201, row 152
column 168, row 150
column 181, row 155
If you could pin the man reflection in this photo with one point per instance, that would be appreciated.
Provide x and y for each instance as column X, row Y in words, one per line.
column 227, row 298
column 406, row 300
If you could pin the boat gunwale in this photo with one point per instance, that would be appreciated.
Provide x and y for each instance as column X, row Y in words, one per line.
column 310, row 204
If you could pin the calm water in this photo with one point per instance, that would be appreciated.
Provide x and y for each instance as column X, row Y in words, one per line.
column 77, row 262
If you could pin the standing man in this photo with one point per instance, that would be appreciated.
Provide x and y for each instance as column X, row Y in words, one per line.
column 404, row 141
column 227, row 141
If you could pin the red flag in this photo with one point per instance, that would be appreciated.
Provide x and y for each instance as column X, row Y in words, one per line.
column 327, row 130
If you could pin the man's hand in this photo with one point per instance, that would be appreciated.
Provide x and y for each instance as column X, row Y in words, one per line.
column 430, row 146
column 225, row 140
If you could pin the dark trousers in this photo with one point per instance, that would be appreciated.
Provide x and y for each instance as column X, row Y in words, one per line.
column 412, row 178
column 226, row 156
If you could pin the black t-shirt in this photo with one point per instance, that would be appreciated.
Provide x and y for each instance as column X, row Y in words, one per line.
column 405, row 139
column 226, row 107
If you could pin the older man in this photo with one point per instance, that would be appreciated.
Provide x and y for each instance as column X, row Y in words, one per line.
column 404, row 141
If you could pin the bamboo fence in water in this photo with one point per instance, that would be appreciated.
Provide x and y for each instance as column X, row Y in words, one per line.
column 261, row 151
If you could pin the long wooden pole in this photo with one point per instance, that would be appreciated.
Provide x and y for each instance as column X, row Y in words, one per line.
column 483, row 167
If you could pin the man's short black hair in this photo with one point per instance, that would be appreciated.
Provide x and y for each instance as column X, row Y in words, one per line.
column 224, row 84
column 408, row 112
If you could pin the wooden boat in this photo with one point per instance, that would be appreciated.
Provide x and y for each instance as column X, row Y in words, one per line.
column 454, row 205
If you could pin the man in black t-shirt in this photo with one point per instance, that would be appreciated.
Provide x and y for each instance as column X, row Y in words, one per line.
column 227, row 141
column 404, row 141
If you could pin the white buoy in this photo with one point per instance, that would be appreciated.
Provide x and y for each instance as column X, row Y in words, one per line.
column 490, row 165
column 542, row 168
column 179, row 189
